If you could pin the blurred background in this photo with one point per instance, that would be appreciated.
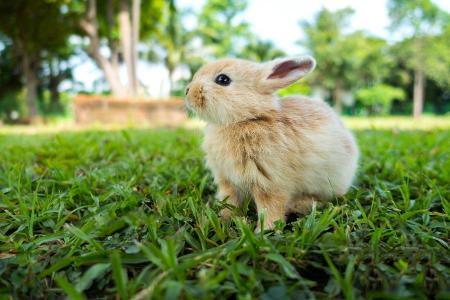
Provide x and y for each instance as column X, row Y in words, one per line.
column 128, row 60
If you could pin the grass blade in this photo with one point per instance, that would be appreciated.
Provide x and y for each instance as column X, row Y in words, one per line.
column 69, row 289
column 119, row 276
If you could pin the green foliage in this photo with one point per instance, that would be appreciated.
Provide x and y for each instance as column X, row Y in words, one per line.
column 326, row 41
column 107, row 17
column 437, row 58
column 173, row 37
column 39, row 31
column 219, row 32
column 151, row 16
column 117, row 214
column 12, row 106
column 259, row 50
column 171, row 44
column 35, row 25
column 220, row 29
column 49, row 108
column 346, row 61
column 429, row 53
column 298, row 88
column 372, row 60
column 428, row 46
column 378, row 99
column 9, row 70
column 420, row 16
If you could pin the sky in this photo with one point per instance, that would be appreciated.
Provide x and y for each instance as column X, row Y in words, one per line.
column 275, row 20
column 284, row 15
column 278, row 20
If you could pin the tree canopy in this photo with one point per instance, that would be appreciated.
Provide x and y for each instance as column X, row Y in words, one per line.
column 41, row 40
column 426, row 45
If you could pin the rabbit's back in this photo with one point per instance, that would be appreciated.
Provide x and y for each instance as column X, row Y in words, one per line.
column 329, row 153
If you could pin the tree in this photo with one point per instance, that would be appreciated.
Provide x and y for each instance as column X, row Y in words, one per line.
column 260, row 50
column 98, row 22
column 346, row 61
column 10, row 81
column 421, row 18
column 378, row 99
column 171, row 40
column 56, row 69
column 218, row 33
column 324, row 38
column 33, row 27
column 437, row 58
column 219, row 27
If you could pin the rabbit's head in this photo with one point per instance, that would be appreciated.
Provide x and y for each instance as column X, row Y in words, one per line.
column 233, row 90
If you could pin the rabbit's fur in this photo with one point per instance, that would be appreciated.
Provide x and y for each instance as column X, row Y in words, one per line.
column 287, row 153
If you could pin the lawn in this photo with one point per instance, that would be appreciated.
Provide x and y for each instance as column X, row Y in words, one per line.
column 131, row 214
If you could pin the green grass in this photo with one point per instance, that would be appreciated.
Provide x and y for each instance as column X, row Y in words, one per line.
column 131, row 213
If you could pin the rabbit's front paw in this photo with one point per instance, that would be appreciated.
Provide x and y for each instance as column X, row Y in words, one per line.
column 225, row 214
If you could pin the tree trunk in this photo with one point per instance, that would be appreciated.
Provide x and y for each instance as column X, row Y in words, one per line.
column 419, row 88
column 29, row 67
column 111, row 73
column 136, row 15
column 54, row 93
column 171, row 70
column 112, row 43
column 109, row 68
column 54, row 96
column 337, row 99
column 125, row 39
column 31, row 95
column 54, row 79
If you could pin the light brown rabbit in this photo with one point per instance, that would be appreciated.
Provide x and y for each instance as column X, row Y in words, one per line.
column 287, row 153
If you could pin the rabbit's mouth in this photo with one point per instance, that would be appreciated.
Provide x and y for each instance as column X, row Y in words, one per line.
column 196, row 97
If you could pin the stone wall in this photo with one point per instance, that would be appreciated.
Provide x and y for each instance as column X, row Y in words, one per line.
column 91, row 109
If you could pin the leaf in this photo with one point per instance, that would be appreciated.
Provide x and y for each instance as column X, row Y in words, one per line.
column 276, row 292
column 57, row 266
column 94, row 258
column 69, row 289
column 83, row 236
column 345, row 284
column 284, row 264
column 119, row 276
column 90, row 275
column 173, row 290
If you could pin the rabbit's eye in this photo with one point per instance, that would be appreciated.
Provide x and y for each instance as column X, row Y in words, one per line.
column 222, row 79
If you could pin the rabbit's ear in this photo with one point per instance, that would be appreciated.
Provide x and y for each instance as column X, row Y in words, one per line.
column 281, row 73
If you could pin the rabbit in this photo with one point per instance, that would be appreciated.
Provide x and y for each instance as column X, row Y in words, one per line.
column 287, row 153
